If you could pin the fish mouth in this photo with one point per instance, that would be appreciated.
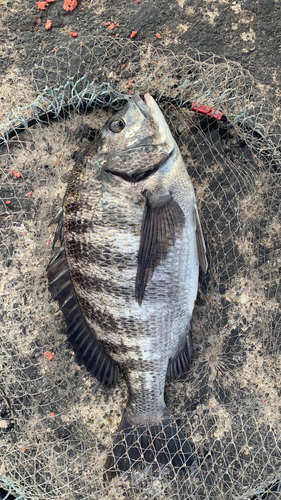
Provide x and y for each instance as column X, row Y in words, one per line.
column 140, row 176
column 142, row 104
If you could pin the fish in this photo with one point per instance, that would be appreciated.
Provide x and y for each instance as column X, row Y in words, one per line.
column 126, row 275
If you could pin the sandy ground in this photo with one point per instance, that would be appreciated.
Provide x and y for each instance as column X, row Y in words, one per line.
column 248, row 32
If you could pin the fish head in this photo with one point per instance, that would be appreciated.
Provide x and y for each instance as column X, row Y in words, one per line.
column 136, row 140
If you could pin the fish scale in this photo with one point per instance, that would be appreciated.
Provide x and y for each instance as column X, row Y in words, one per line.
column 133, row 242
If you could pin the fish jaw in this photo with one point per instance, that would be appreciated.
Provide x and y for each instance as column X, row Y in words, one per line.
column 142, row 146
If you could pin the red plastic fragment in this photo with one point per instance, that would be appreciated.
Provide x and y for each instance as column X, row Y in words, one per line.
column 205, row 110
column 48, row 355
column 73, row 34
column 107, row 23
column 16, row 174
column 48, row 24
column 112, row 26
column 8, row 202
column 70, row 5
column 42, row 5
column 133, row 34
column 29, row 194
column 158, row 36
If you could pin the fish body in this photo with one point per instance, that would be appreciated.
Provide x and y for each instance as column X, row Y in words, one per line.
column 127, row 273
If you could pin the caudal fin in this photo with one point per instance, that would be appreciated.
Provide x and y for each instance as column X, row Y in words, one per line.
column 158, row 444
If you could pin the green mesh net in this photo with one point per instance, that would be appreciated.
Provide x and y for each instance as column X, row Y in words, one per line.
column 56, row 421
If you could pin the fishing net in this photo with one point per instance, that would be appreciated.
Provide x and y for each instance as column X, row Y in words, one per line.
column 56, row 421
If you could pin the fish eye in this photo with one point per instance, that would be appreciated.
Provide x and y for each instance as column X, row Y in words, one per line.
column 116, row 125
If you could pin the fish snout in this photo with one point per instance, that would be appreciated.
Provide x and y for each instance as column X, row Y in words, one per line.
column 141, row 105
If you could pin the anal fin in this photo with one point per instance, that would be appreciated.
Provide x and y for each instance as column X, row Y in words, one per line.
column 180, row 365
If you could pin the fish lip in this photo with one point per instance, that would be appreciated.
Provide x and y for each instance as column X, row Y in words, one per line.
column 134, row 179
column 142, row 105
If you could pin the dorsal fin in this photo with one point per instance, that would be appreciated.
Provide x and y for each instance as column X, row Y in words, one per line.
column 85, row 344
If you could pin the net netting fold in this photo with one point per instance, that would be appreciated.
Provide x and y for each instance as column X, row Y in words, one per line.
column 56, row 421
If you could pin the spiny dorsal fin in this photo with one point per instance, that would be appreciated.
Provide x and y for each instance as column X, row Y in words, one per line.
column 84, row 343
column 162, row 223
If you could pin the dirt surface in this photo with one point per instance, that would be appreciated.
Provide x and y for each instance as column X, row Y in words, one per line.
column 246, row 31
column 219, row 385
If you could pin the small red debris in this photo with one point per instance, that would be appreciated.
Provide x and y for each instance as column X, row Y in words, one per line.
column 138, row 1
column 158, row 36
column 55, row 48
column 112, row 26
column 48, row 24
column 170, row 31
column 25, row 233
column 52, row 414
column 116, row 24
column 42, row 5
column 48, row 243
column 123, row 66
column 72, row 353
column 29, row 194
column 82, row 8
column 133, row 34
column 117, row 34
column 70, row 5
column 73, row 34
column 130, row 82
column 205, row 110
column 107, row 23
column 48, row 355
column 8, row 202
column 16, row 174
column 264, row 400
column 24, row 449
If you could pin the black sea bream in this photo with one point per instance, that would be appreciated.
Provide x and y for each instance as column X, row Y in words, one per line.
column 126, row 275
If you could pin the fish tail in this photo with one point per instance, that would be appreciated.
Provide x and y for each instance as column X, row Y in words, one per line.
column 157, row 444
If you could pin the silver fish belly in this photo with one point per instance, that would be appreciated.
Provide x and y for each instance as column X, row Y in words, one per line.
column 127, row 272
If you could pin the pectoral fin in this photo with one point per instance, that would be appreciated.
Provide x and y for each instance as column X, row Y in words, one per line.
column 162, row 223
column 201, row 247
